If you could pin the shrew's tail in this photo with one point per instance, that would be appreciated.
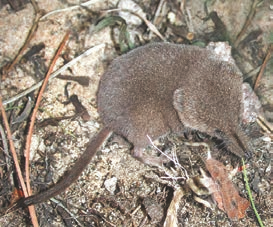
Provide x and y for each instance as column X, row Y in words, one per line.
column 72, row 175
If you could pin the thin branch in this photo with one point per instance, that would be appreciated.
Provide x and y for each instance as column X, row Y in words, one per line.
column 265, row 125
column 12, row 149
column 156, row 19
column 174, row 161
column 35, row 111
column 268, row 55
column 248, row 21
column 29, row 37
column 16, row 163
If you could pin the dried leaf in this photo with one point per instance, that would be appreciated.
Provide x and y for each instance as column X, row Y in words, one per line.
column 234, row 205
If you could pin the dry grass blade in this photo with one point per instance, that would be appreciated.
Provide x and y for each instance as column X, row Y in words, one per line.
column 150, row 25
column 85, row 4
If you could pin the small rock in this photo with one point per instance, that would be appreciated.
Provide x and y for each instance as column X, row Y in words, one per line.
column 111, row 184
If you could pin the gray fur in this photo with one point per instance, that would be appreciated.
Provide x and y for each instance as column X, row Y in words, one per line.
column 161, row 88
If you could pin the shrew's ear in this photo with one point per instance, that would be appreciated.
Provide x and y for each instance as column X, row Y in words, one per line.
column 178, row 100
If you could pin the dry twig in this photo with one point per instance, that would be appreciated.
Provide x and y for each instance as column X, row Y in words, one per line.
column 248, row 21
column 24, row 47
column 267, row 57
column 35, row 110
column 16, row 163
column 173, row 160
